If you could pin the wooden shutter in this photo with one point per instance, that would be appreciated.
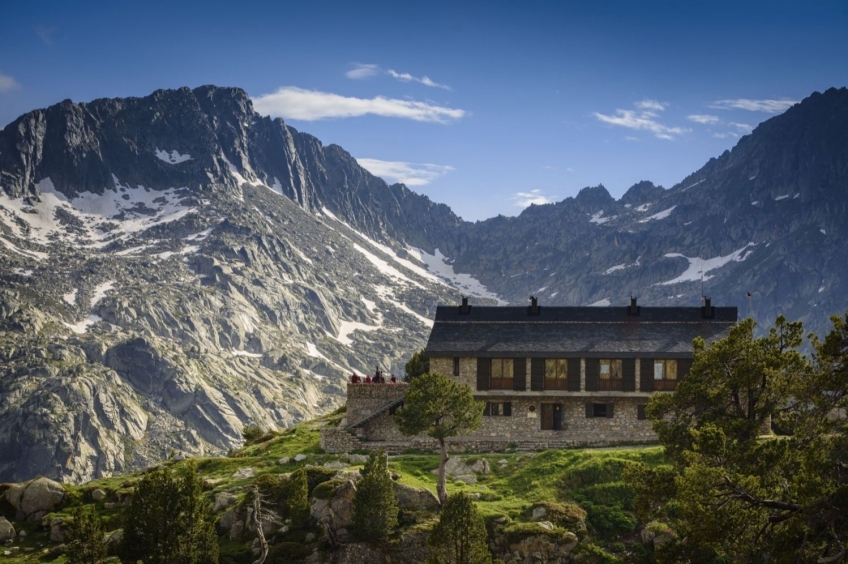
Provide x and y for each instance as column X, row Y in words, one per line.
column 628, row 383
column 593, row 374
column 590, row 410
column 519, row 374
column 488, row 409
column 640, row 412
column 573, row 382
column 484, row 371
column 537, row 374
column 507, row 408
column 646, row 375
column 684, row 366
column 609, row 410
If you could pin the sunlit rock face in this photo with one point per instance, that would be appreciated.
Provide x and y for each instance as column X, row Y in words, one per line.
column 177, row 266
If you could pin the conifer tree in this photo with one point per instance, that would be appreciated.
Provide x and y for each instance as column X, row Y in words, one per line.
column 375, row 509
column 169, row 521
column 437, row 406
column 85, row 543
column 460, row 535
column 298, row 498
column 417, row 365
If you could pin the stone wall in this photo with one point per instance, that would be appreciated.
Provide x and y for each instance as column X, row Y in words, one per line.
column 365, row 399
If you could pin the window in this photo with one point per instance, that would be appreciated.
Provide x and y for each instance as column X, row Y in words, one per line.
column 665, row 375
column 599, row 410
column 501, row 374
column 503, row 408
column 611, row 374
column 556, row 373
column 456, row 366
column 640, row 412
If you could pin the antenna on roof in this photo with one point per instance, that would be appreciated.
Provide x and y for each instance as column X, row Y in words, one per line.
column 750, row 305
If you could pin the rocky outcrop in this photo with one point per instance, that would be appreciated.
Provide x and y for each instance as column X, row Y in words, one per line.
column 415, row 499
column 337, row 511
column 7, row 531
column 35, row 499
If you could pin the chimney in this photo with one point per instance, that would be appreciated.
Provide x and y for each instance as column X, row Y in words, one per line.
column 633, row 309
column 534, row 306
column 708, row 311
column 464, row 309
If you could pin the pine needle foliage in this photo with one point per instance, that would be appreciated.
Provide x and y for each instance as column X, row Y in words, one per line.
column 85, row 544
column 460, row 535
column 169, row 521
column 298, row 498
column 417, row 365
column 375, row 508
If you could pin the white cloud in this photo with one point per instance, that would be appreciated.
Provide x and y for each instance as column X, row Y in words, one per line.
column 411, row 174
column 742, row 126
column 360, row 71
column 768, row 106
column 525, row 199
column 45, row 34
column 704, row 119
column 651, row 105
column 308, row 105
column 645, row 120
column 406, row 77
column 631, row 138
column 726, row 135
column 7, row 83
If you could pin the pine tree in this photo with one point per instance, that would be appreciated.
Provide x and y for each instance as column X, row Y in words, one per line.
column 298, row 498
column 417, row 365
column 460, row 535
column 375, row 509
column 85, row 543
column 169, row 521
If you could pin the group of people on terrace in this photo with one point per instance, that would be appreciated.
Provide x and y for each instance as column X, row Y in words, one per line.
column 378, row 378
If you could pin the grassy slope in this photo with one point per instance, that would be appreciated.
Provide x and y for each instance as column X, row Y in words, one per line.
column 589, row 477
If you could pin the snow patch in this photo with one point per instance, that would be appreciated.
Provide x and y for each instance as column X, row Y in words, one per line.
column 693, row 185
column 82, row 326
column 438, row 264
column 100, row 292
column 821, row 288
column 781, row 197
column 601, row 303
column 37, row 255
column 755, row 202
column 70, row 297
column 599, row 219
column 612, row 269
column 369, row 305
column 823, row 232
column 643, row 207
column 173, row 158
column 659, row 215
column 348, row 327
column 698, row 266
column 245, row 353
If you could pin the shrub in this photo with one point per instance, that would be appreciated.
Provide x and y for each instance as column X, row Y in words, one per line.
column 460, row 535
column 85, row 544
column 375, row 510
column 297, row 498
column 317, row 475
column 325, row 490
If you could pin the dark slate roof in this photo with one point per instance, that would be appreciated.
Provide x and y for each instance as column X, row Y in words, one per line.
column 569, row 331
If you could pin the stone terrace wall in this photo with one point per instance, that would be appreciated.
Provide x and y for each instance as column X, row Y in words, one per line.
column 365, row 399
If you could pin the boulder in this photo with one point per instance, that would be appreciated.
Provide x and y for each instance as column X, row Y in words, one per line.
column 7, row 531
column 97, row 494
column 538, row 512
column 211, row 483
column 338, row 510
column 467, row 478
column 357, row 458
column 299, row 457
column 115, row 538
column 480, row 467
column 228, row 519
column 35, row 499
column 243, row 473
column 284, row 460
column 223, row 500
column 415, row 499
column 335, row 465
column 58, row 530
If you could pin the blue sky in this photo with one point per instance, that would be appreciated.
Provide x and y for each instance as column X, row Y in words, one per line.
column 484, row 106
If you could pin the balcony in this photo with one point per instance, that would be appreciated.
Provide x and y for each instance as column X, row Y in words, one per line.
column 556, row 384
column 610, row 384
column 665, row 385
column 500, row 383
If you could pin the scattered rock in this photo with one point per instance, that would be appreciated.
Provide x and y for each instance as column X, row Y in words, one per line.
column 546, row 525
column 481, row 466
column 223, row 500
column 310, row 537
column 115, row 537
column 357, row 458
column 538, row 512
column 7, row 531
column 299, row 457
column 467, row 478
column 243, row 473
column 284, row 460
column 503, row 462
column 338, row 510
column 58, row 530
column 35, row 499
column 211, row 483
column 415, row 499
column 236, row 531
column 335, row 465
column 97, row 494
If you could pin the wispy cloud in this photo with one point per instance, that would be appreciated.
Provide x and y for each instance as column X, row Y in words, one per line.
column 7, row 83
column 291, row 102
column 651, row 105
column 360, row 71
column 525, row 199
column 646, row 120
column 726, row 135
column 411, row 174
column 45, row 33
column 631, row 138
column 703, row 119
column 767, row 106
column 406, row 77
column 742, row 126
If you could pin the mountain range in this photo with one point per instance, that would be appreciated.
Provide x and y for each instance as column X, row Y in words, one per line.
column 175, row 267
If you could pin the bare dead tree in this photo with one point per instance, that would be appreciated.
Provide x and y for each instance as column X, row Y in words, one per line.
column 262, row 516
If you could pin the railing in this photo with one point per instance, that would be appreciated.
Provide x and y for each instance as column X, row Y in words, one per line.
column 665, row 385
column 610, row 384
column 556, row 384
column 500, row 383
